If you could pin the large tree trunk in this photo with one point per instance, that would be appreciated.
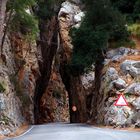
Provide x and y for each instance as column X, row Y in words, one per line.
column 77, row 97
column 96, row 97
column 48, row 46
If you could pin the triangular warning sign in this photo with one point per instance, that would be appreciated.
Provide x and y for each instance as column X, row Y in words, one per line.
column 121, row 101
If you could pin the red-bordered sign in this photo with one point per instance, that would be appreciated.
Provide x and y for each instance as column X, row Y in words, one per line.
column 121, row 101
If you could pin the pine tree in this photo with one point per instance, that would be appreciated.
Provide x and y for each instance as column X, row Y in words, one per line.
column 101, row 24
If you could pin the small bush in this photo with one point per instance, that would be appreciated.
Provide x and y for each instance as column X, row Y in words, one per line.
column 21, row 20
column 135, row 29
column 2, row 89
column 5, row 119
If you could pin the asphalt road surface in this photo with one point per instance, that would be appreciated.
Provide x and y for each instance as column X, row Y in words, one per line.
column 75, row 132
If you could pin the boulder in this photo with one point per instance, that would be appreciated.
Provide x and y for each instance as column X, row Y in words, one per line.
column 120, row 52
column 118, row 116
column 119, row 83
column 117, row 58
column 131, row 67
column 136, row 119
column 112, row 74
column 133, row 89
column 136, row 103
column 68, row 8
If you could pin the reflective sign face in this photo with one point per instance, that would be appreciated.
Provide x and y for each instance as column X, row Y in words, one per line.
column 121, row 101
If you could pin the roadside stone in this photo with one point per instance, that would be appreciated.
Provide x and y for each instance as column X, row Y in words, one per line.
column 119, row 83
column 120, row 52
column 118, row 116
column 136, row 119
column 131, row 67
column 136, row 103
column 112, row 74
column 117, row 58
column 133, row 89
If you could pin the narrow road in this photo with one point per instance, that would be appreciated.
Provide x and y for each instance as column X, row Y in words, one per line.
column 76, row 132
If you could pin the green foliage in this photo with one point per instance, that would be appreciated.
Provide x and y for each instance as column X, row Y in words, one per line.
column 127, row 95
column 5, row 119
column 131, row 8
column 48, row 8
column 2, row 89
column 101, row 24
column 88, row 46
column 135, row 29
column 21, row 20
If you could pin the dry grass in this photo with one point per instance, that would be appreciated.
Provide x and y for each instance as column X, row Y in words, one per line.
column 19, row 131
column 137, row 42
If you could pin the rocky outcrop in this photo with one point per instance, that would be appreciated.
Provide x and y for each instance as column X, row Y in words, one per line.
column 121, row 76
column 19, row 70
column 55, row 100
column 2, row 17
column 10, row 114
column 70, row 15
column 131, row 67
column 36, row 75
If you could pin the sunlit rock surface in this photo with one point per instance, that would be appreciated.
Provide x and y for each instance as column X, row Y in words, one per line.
column 121, row 77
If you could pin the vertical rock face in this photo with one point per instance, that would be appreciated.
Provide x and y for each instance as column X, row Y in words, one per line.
column 2, row 16
column 121, row 76
column 18, row 72
column 25, row 74
column 69, row 16
column 55, row 102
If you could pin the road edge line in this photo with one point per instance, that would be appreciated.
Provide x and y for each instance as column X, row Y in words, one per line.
column 21, row 134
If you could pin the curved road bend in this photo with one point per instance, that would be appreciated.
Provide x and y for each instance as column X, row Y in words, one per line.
column 58, row 131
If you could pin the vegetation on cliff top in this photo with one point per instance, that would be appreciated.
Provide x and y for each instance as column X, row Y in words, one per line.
column 102, row 24
column 22, row 19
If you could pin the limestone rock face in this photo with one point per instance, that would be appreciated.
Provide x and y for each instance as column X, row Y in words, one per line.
column 19, row 71
column 121, row 52
column 119, row 83
column 133, row 89
column 112, row 74
column 131, row 67
column 118, row 116
column 10, row 114
column 122, row 78
column 69, row 16
column 55, row 102
column 88, row 79
column 136, row 103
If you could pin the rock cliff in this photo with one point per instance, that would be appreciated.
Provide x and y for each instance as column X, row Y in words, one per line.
column 35, row 83
column 120, row 76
